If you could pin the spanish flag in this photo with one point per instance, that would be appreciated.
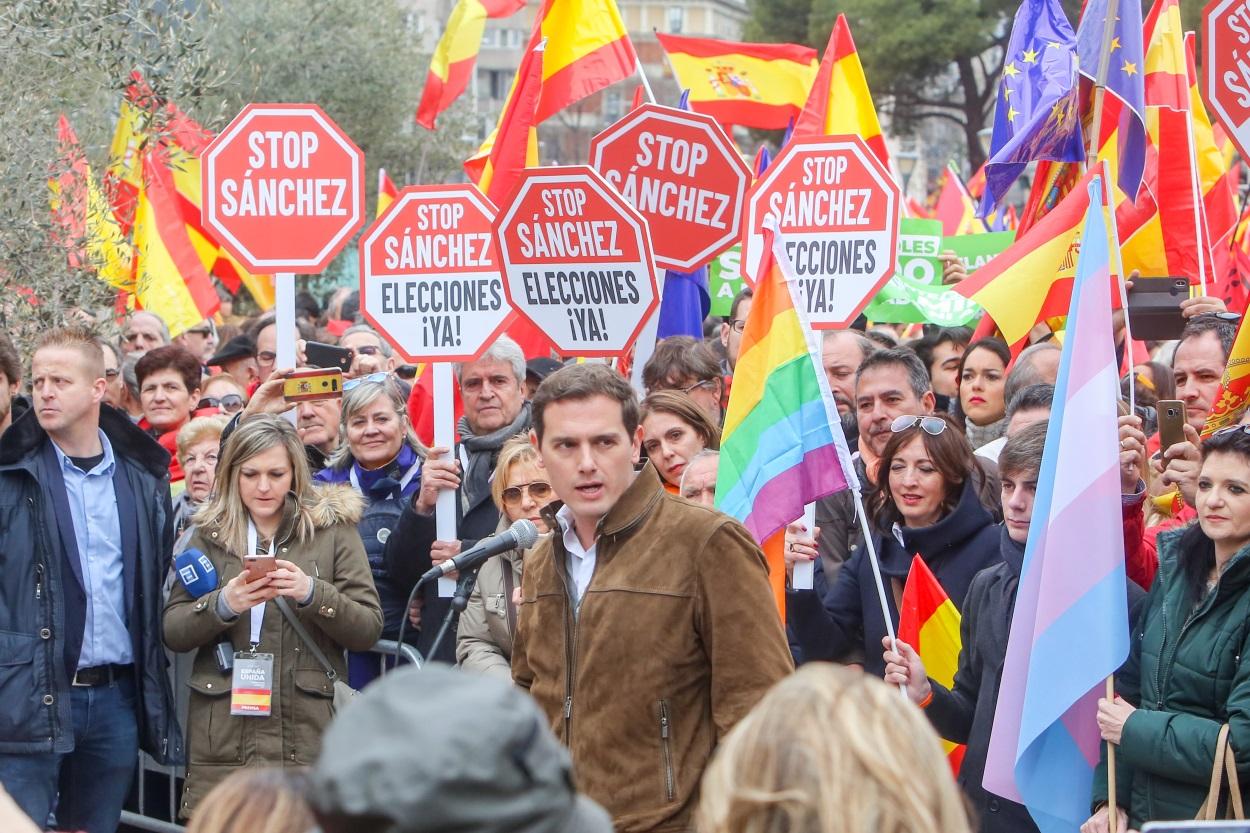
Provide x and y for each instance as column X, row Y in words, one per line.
column 587, row 50
column 387, row 192
column 170, row 280
column 1031, row 280
column 929, row 623
column 1234, row 395
column 760, row 85
column 451, row 67
column 91, row 233
column 839, row 101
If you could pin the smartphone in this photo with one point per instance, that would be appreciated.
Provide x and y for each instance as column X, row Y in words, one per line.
column 1171, row 422
column 316, row 383
column 320, row 354
column 1154, row 307
column 259, row 565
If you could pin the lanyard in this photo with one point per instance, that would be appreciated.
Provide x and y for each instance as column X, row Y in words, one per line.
column 258, row 611
column 399, row 490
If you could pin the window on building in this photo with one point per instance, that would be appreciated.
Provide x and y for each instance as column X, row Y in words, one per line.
column 612, row 104
column 490, row 38
column 676, row 19
column 511, row 38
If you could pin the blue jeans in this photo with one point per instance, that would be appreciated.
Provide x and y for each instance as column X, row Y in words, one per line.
column 94, row 779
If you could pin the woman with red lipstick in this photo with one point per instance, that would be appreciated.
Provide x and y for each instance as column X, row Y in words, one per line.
column 1187, row 674
column 930, row 504
column 675, row 429
column 982, row 407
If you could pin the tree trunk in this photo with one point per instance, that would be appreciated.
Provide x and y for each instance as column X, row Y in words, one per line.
column 974, row 108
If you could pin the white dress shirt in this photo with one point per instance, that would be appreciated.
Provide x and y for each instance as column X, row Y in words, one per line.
column 581, row 560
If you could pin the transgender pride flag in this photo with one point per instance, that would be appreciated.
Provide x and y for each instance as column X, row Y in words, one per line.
column 1070, row 627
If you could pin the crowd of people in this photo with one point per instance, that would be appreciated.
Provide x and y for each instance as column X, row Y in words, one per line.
column 162, row 502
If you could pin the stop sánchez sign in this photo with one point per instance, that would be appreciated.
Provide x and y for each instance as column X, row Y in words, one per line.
column 837, row 210
column 283, row 188
column 429, row 278
column 683, row 174
column 576, row 260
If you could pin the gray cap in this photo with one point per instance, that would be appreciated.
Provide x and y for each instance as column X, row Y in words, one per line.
column 436, row 749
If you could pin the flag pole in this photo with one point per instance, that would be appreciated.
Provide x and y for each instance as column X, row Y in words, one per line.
column 871, row 548
column 642, row 76
column 1200, row 213
column 1100, row 86
column 1113, row 817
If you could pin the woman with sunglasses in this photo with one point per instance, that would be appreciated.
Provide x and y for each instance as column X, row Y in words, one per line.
column 674, row 430
column 930, row 502
column 1186, row 674
column 380, row 457
column 520, row 490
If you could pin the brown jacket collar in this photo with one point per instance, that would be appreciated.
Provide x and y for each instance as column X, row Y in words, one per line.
column 635, row 504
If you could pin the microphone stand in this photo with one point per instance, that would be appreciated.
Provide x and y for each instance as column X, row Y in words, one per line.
column 464, row 589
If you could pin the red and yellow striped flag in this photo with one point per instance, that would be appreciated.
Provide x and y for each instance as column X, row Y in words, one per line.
column 387, row 192
column 91, row 233
column 929, row 623
column 1233, row 398
column 170, row 280
column 451, row 67
column 1032, row 279
column 840, row 101
column 587, row 50
column 760, row 85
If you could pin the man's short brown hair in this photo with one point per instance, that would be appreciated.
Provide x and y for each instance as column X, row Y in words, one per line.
column 582, row 381
column 10, row 362
column 679, row 357
column 82, row 339
column 1023, row 452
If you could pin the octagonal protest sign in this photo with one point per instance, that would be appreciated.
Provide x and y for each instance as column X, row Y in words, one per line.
column 576, row 260
column 283, row 188
column 429, row 278
column 837, row 211
column 1226, row 67
column 683, row 174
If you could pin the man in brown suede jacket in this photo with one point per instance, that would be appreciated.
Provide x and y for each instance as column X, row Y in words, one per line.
column 646, row 626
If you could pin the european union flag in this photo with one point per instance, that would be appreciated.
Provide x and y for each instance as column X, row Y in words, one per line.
column 1037, row 114
column 1126, row 81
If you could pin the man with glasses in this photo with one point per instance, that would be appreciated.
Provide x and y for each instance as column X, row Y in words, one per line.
column 200, row 341
column 144, row 331
column 264, row 334
column 684, row 364
column 731, row 330
column 370, row 352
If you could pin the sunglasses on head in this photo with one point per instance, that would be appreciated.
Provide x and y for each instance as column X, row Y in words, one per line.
column 538, row 490
column 380, row 376
column 931, row 425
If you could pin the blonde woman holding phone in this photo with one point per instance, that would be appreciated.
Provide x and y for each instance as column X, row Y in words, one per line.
column 269, row 640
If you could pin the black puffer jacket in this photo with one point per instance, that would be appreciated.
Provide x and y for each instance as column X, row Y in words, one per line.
column 42, row 602
column 830, row 621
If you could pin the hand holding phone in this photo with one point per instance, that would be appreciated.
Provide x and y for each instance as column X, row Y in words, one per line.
column 313, row 383
column 259, row 565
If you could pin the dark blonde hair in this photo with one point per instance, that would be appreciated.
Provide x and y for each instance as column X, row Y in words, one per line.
column 225, row 511
column 515, row 450
column 680, row 405
column 256, row 800
column 76, row 338
column 831, row 750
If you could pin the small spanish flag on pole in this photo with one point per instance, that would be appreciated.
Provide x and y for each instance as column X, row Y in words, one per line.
column 840, row 101
column 387, row 192
column 929, row 623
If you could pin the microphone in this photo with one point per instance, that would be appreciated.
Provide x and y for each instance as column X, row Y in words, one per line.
column 521, row 535
column 196, row 572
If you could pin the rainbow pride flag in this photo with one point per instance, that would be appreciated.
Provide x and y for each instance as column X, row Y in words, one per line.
column 782, row 444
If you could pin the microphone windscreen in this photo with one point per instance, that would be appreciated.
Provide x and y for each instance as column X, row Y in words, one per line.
column 196, row 572
column 526, row 533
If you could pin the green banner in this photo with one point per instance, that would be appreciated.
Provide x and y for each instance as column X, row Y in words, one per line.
column 724, row 279
column 916, row 295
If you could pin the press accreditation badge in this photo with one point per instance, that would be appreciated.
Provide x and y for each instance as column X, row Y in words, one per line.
column 251, row 688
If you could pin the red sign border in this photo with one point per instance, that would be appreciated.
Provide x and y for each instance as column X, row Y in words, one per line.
column 578, row 173
column 408, row 195
column 1207, row 88
column 337, row 243
column 879, row 172
column 717, row 135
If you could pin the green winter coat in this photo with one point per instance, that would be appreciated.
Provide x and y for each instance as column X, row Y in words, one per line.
column 1186, row 677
